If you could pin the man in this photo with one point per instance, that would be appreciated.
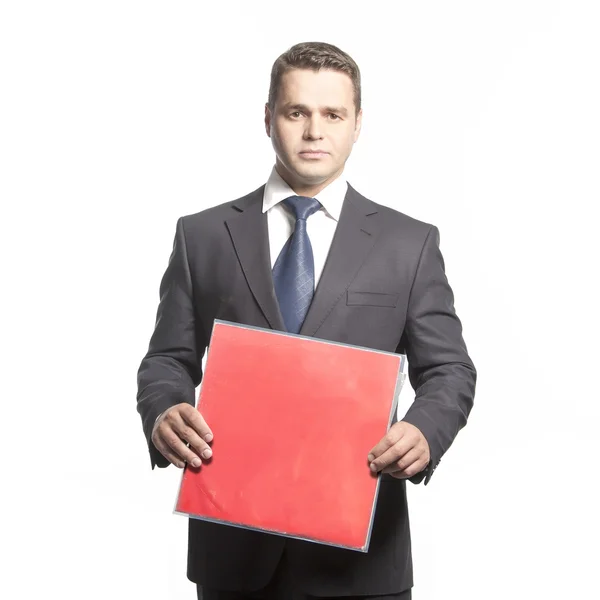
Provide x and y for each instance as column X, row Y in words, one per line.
column 308, row 254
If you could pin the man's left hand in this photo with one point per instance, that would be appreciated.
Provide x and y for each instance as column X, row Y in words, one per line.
column 402, row 452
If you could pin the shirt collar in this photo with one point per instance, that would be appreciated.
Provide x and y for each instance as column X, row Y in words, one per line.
column 331, row 197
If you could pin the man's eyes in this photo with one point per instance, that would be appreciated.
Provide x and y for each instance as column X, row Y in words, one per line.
column 296, row 114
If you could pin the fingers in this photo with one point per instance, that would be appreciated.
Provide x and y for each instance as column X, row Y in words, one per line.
column 178, row 426
column 391, row 455
column 411, row 470
column 390, row 448
column 193, row 418
column 169, row 454
column 403, row 448
column 407, row 466
column 186, row 432
column 386, row 442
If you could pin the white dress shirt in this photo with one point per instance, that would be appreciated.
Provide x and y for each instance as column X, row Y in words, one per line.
column 320, row 226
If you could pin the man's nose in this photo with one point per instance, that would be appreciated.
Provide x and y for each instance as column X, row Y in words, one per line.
column 314, row 128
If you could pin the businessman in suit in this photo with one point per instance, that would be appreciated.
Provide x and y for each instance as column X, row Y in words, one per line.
column 308, row 254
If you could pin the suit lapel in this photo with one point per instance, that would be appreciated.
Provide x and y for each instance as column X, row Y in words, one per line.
column 354, row 238
column 250, row 236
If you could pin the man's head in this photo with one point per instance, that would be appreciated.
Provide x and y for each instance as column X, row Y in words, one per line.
column 314, row 104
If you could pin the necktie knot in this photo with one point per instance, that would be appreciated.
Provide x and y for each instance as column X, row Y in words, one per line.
column 302, row 206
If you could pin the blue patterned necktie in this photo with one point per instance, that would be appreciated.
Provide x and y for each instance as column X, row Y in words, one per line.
column 294, row 270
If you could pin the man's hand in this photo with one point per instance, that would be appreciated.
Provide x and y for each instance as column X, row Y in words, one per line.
column 402, row 452
column 177, row 426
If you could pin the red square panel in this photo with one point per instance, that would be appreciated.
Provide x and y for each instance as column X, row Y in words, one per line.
column 293, row 420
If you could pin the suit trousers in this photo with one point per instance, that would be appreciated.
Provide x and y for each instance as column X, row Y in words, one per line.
column 283, row 587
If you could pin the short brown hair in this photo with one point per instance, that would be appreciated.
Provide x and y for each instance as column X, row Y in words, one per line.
column 314, row 56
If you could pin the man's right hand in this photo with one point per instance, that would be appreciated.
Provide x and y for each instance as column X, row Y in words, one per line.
column 177, row 426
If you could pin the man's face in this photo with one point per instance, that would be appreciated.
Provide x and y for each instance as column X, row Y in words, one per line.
column 313, row 127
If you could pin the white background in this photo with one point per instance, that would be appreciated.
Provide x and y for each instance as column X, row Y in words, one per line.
column 117, row 117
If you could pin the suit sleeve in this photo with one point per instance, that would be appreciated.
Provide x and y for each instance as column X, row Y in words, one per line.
column 439, row 368
column 170, row 371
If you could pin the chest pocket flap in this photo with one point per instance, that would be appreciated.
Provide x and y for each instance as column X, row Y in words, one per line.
column 371, row 299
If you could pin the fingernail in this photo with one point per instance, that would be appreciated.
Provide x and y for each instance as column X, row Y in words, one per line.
column 196, row 462
column 371, row 457
column 373, row 467
column 207, row 453
column 208, row 437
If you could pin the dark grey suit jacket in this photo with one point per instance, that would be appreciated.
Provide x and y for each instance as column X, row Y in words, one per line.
column 383, row 286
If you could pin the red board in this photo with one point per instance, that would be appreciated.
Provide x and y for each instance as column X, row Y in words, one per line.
column 293, row 419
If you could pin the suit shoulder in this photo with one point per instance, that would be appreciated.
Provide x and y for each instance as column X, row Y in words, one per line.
column 220, row 212
column 403, row 219
column 395, row 218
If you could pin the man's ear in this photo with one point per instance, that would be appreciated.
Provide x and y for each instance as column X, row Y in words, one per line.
column 358, row 125
column 267, row 119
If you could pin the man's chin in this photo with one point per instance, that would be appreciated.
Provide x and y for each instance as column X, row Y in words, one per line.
column 313, row 174
column 307, row 174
